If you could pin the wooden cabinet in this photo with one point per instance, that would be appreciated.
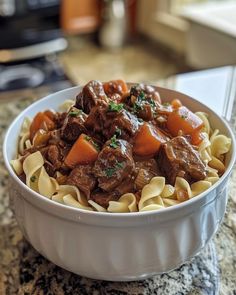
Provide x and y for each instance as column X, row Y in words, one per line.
column 79, row 16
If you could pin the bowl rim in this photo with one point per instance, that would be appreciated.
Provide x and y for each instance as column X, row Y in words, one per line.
column 127, row 215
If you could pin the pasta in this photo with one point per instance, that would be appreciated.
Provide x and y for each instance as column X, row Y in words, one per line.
column 37, row 177
column 71, row 196
column 204, row 149
column 204, row 117
column 220, row 145
column 183, row 185
column 150, row 191
column 24, row 141
column 17, row 166
column 96, row 206
column 126, row 203
column 199, row 187
column 31, row 165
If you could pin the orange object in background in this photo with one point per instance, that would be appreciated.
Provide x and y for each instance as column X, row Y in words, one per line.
column 79, row 16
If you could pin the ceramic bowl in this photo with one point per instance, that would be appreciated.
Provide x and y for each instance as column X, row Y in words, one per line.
column 115, row 246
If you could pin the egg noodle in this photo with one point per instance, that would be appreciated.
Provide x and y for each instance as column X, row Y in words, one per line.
column 155, row 195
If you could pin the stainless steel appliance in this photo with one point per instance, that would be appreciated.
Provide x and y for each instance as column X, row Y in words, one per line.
column 29, row 29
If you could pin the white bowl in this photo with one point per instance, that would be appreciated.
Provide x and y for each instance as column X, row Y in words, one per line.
column 115, row 246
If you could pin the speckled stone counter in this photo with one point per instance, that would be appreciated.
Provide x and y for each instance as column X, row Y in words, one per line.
column 24, row 271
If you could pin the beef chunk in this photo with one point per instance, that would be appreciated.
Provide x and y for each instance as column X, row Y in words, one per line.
column 53, row 159
column 126, row 186
column 149, row 165
column 113, row 165
column 53, row 155
column 143, row 101
column 50, row 168
column 105, row 122
column 145, row 171
column 73, row 125
column 82, row 177
column 62, row 145
column 103, row 198
column 178, row 158
column 91, row 95
column 59, row 119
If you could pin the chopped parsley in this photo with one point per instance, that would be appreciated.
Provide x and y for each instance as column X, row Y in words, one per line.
column 184, row 117
column 96, row 146
column 141, row 96
column 75, row 113
column 137, row 106
column 119, row 165
column 88, row 138
column 141, row 102
column 114, row 142
column 109, row 172
column 152, row 103
column 33, row 178
column 115, row 107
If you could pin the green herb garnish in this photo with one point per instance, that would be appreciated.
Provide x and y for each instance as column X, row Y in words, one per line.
column 115, row 107
column 141, row 101
column 96, row 146
column 184, row 117
column 75, row 113
column 137, row 107
column 112, row 170
column 114, row 142
column 119, row 165
column 33, row 178
column 141, row 96
column 88, row 138
column 152, row 103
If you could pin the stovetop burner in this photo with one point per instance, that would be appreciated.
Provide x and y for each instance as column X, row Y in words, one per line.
column 31, row 74
column 21, row 76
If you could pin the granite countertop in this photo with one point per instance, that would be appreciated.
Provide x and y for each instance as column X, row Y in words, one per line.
column 24, row 271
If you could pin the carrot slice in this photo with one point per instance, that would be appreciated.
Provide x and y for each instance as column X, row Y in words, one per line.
column 197, row 137
column 40, row 121
column 182, row 119
column 41, row 137
column 176, row 103
column 83, row 151
column 49, row 114
column 148, row 140
column 115, row 86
